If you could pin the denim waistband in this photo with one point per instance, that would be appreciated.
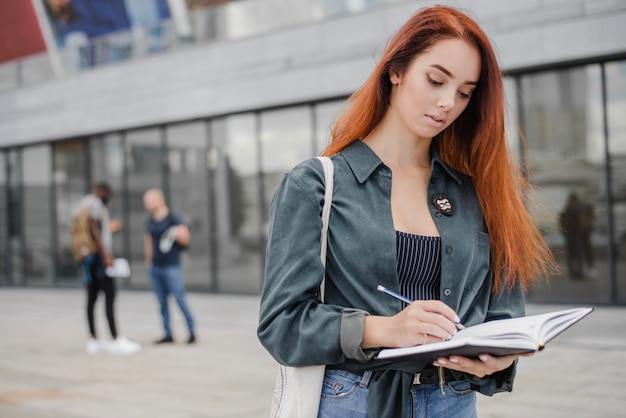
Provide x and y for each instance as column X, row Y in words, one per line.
column 427, row 376
column 363, row 379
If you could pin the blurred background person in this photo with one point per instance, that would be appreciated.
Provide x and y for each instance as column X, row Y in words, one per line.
column 92, row 244
column 166, row 236
column 576, row 223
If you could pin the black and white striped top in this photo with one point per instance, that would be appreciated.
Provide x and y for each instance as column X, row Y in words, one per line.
column 418, row 263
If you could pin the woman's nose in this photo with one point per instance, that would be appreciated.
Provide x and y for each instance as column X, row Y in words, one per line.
column 447, row 100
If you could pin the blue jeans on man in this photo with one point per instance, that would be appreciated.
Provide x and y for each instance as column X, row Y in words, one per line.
column 168, row 280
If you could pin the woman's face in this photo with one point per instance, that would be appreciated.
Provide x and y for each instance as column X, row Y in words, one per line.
column 435, row 88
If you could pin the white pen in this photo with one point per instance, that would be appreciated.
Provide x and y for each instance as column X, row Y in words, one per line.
column 394, row 294
column 383, row 289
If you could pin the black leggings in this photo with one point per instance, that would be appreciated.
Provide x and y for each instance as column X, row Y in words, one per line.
column 100, row 282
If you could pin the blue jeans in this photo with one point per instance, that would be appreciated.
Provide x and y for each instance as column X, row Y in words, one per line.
column 344, row 395
column 168, row 280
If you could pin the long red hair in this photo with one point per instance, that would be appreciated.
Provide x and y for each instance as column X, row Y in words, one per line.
column 474, row 144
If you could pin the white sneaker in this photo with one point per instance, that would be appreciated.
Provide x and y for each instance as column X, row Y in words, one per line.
column 122, row 345
column 95, row 346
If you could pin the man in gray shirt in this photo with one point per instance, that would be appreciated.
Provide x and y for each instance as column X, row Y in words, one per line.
column 94, row 262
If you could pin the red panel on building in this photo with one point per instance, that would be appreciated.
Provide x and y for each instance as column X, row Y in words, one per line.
column 20, row 34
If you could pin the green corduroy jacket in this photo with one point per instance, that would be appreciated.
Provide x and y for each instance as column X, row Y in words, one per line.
column 298, row 330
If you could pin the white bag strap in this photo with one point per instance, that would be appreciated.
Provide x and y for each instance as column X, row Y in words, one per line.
column 329, row 174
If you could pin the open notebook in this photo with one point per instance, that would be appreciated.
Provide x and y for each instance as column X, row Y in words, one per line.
column 498, row 338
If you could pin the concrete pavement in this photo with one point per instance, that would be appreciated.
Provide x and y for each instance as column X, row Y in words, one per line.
column 45, row 372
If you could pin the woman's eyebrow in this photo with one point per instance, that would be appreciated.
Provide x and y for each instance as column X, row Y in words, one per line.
column 449, row 74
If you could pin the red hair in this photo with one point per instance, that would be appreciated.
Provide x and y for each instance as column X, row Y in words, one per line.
column 474, row 144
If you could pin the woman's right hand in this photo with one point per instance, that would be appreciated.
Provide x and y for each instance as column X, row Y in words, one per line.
column 422, row 322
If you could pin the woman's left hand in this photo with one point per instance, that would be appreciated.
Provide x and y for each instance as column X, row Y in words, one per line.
column 484, row 366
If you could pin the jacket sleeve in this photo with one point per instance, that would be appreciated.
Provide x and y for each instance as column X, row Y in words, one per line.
column 295, row 328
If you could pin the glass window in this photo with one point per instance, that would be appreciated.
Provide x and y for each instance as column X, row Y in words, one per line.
column 14, row 246
column 4, row 238
column 286, row 140
column 189, row 196
column 616, row 109
column 236, row 185
column 107, row 165
column 37, row 163
column 71, row 183
column 325, row 116
column 563, row 125
column 512, row 123
column 145, row 165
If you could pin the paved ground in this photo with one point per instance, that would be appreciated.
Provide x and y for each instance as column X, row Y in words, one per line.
column 45, row 372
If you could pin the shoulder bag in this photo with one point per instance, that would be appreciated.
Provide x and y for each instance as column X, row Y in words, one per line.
column 298, row 389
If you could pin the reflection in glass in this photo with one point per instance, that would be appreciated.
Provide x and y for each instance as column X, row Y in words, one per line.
column 36, row 210
column 576, row 222
column 188, row 195
column 70, row 177
column 563, row 126
column 616, row 109
column 144, row 160
column 237, row 203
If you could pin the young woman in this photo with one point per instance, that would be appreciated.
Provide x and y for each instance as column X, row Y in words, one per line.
column 426, row 203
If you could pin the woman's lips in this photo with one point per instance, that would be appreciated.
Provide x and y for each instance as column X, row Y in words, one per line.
column 436, row 120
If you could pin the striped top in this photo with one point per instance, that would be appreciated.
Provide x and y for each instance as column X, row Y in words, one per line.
column 418, row 263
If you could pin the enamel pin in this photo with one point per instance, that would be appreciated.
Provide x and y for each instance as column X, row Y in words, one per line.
column 443, row 204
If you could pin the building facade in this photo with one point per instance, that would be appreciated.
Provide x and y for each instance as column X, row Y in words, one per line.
column 216, row 122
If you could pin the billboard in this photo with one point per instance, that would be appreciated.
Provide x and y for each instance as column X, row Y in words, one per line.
column 93, row 32
column 89, row 19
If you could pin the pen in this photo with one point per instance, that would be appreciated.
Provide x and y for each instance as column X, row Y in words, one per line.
column 383, row 289
column 394, row 294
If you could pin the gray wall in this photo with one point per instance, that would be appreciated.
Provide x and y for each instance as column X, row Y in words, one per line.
column 323, row 59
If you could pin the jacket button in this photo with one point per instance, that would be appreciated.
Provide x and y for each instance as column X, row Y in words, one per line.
column 447, row 292
column 449, row 249
column 438, row 214
column 433, row 181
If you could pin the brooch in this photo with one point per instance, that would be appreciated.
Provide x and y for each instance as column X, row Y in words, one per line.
column 443, row 204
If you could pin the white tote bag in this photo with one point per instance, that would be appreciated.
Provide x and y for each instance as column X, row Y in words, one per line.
column 298, row 389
